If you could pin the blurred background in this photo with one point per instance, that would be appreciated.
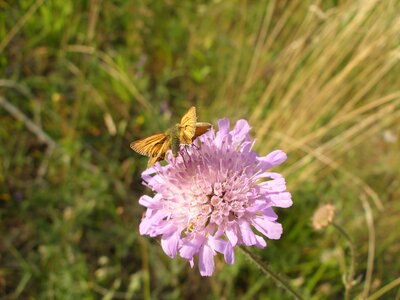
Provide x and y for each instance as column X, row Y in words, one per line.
column 80, row 80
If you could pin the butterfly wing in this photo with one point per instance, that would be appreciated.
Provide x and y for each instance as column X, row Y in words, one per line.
column 151, row 146
column 201, row 128
column 152, row 161
column 161, row 153
column 187, row 127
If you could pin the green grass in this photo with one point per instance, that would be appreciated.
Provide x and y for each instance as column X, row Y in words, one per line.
column 318, row 79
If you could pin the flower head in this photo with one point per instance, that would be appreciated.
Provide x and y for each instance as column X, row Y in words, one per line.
column 217, row 195
column 323, row 216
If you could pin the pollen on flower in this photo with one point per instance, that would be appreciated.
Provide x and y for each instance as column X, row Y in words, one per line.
column 212, row 197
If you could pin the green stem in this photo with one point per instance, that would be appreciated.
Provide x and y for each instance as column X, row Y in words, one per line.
column 385, row 289
column 349, row 280
column 145, row 269
column 279, row 280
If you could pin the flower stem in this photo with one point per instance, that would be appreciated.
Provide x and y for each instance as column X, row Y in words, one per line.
column 349, row 279
column 279, row 280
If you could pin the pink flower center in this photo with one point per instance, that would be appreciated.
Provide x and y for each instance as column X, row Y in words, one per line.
column 220, row 202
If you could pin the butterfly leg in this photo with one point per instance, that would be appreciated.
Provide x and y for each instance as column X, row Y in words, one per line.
column 183, row 156
column 198, row 147
column 173, row 160
column 195, row 146
column 187, row 152
column 184, row 161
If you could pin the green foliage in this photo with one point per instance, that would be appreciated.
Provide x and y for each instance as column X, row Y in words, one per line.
column 318, row 79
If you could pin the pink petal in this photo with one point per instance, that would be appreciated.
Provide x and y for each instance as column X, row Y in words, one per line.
column 240, row 131
column 169, row 243
column 223, row 132
column 273, row 186
column 248, row 235
column 223, row 247
column 206, row 261
column 270, row 229
column 223, row 125
column 147, row 174
column 149, row 202
column 145, row 226
column 281, row 199
column 276, row 157
column 259, row 205
column 270, row 214
column 158, row 216
column 231, row 234
column 260, row 242
column 168, row 229
column 273, row 159
column 229, row 254
column 246, row 148
column 151, row 220
column 217, row 244
column 190, row 247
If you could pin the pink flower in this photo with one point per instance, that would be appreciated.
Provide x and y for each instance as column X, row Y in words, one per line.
column 212, row 197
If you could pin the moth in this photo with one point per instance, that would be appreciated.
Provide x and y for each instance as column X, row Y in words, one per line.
column 185, row 132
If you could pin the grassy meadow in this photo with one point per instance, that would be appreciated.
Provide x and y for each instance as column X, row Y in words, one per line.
column 80, row 80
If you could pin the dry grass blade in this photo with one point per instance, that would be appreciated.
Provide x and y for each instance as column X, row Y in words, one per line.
column 17, row 114
column 111, row 68
column 341, row 142
column 326, row 81
column 21, row 22
column 371, row 246
column 322, row 158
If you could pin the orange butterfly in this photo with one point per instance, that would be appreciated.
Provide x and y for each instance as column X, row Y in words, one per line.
column 185, row 132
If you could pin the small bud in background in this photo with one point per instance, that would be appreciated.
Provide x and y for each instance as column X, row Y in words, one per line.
column 323, row 216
